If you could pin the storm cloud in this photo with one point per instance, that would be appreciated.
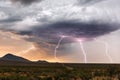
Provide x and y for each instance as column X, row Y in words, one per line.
column 26, row 2
column 46, row 37
column 51, row 33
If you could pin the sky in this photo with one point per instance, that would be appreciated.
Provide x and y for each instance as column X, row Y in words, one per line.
column 74, row 31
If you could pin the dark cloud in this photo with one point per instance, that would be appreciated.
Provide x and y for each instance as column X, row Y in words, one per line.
column 26, row 2
column 52, row 33
column 89, row 2
column 7, row 23
column 23, row 33
column 11, row 19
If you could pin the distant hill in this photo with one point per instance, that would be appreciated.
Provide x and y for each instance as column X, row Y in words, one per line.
column 11, row 57
column 41, row 61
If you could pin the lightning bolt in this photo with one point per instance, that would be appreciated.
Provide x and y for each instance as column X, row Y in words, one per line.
column 106, row 50
column 83, row 51
column 57, row 46
column 55, row 52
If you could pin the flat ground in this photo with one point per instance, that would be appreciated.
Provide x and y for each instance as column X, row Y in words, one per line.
column 57, row 71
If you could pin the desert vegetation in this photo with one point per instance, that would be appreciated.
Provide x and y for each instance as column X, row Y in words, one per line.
column 60, row 72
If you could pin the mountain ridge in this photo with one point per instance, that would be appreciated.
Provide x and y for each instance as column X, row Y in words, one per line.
column 11, row 57
column 14, row 58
